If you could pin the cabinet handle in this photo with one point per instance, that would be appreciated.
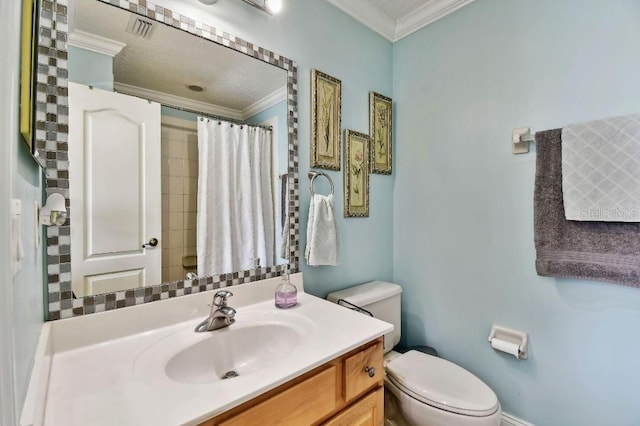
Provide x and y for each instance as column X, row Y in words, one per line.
column 371, row 371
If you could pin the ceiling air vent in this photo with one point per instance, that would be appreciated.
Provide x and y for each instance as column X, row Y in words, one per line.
column 140, row 27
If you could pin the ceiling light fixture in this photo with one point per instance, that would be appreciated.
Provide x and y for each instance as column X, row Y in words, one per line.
column 271, row 7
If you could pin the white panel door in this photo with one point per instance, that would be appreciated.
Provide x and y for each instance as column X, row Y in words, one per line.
column 115, row 190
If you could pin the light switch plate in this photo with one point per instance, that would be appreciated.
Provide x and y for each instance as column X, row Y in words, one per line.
column 16, row 207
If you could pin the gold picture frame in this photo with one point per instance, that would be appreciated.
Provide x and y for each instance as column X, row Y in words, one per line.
column 326, row 109
column 356, row 174
column 380, row 131
column 26, row 71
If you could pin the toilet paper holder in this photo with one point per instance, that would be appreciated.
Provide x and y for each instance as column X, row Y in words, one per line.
column 510, row 341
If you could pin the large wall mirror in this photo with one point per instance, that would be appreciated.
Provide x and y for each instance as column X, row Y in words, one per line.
column 175, row 145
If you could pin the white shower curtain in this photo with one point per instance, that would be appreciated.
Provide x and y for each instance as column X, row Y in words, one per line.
column 235, row 198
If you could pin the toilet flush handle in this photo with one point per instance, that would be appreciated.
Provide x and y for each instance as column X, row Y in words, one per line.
column 371, row 371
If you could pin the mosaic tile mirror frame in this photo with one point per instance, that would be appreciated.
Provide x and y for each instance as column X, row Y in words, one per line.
column 51, row 142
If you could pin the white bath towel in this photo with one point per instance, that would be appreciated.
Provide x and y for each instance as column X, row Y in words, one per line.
column 601, row 170
column 322, row 232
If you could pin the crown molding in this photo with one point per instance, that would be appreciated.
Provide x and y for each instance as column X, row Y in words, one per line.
column 394, row 30
column 425, row 15
column 178, row 101
column 369, row 15
column 265, row 103
column 217, row 110
column 94, row 43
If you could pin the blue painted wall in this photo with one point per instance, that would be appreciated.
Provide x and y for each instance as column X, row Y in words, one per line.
column 177, row 113
column 463, row 215
column 90, row 68
column 28, row 284
column 21, row 294
column 318, row 35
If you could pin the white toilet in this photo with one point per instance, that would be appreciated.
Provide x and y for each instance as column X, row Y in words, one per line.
column 421, row 389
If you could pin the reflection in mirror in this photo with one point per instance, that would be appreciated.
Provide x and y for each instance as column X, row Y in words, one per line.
column 159, row 153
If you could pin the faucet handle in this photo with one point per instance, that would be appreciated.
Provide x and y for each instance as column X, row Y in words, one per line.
column 228, row 311
column 220, row 298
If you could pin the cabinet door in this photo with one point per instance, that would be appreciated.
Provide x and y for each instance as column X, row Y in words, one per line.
column 363, row 371
column 302, row 404
column 366, row 412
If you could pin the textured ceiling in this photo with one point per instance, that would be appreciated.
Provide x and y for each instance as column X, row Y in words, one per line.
column 173, row 59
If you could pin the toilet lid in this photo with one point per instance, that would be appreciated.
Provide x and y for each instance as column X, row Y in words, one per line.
column 442, row 384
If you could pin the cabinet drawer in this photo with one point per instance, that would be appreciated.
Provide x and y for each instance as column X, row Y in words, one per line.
column 369, row 411
column 305, row 403
column 357, row 379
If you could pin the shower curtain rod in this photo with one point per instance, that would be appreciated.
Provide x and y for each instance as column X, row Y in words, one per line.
column 219, row 118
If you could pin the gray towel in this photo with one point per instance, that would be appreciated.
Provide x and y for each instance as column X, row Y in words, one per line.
column 601, row 251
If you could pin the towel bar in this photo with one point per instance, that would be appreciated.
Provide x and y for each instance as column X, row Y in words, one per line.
column 314, row 174
column 521, row 139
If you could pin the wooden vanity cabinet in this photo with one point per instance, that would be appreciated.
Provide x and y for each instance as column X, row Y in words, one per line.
column 338, row 393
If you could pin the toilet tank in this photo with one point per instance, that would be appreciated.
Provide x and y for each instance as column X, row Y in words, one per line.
column 380, row 298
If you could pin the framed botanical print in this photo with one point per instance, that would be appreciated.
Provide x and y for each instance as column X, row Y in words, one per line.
column 325, row 123
column 380, row 122
column 356, row 174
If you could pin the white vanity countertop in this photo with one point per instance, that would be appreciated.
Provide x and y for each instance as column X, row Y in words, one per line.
column 115, row 376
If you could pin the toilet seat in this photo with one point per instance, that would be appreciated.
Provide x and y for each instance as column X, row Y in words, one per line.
column 441, row 384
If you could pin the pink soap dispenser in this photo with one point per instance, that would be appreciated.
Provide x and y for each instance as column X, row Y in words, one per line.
column 286, row 293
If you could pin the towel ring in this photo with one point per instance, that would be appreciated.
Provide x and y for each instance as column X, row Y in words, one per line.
column 312, row 175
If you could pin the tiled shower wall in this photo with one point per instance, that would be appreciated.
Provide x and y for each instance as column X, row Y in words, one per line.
column 179, row 197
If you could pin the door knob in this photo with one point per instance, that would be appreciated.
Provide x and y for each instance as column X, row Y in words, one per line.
column 152, row 243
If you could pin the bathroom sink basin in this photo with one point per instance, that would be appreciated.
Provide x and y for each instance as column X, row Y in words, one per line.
column 232, row 352
column 255, row 342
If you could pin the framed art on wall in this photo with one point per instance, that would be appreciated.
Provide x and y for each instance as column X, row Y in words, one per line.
column 26, row 70
column 356, row 174
column 380, row 126
column 326, row 95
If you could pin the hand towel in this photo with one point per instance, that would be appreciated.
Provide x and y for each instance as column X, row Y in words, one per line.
column 602, row 251
column 601, row 170
column 322, row 232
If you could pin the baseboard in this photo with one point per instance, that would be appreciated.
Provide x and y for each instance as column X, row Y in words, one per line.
column 510, row 420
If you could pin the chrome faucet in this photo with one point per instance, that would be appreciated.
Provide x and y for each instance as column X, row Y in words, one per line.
column 220, row 316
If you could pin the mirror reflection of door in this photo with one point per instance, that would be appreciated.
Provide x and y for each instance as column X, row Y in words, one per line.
column 114, row 158
column 106, row 52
